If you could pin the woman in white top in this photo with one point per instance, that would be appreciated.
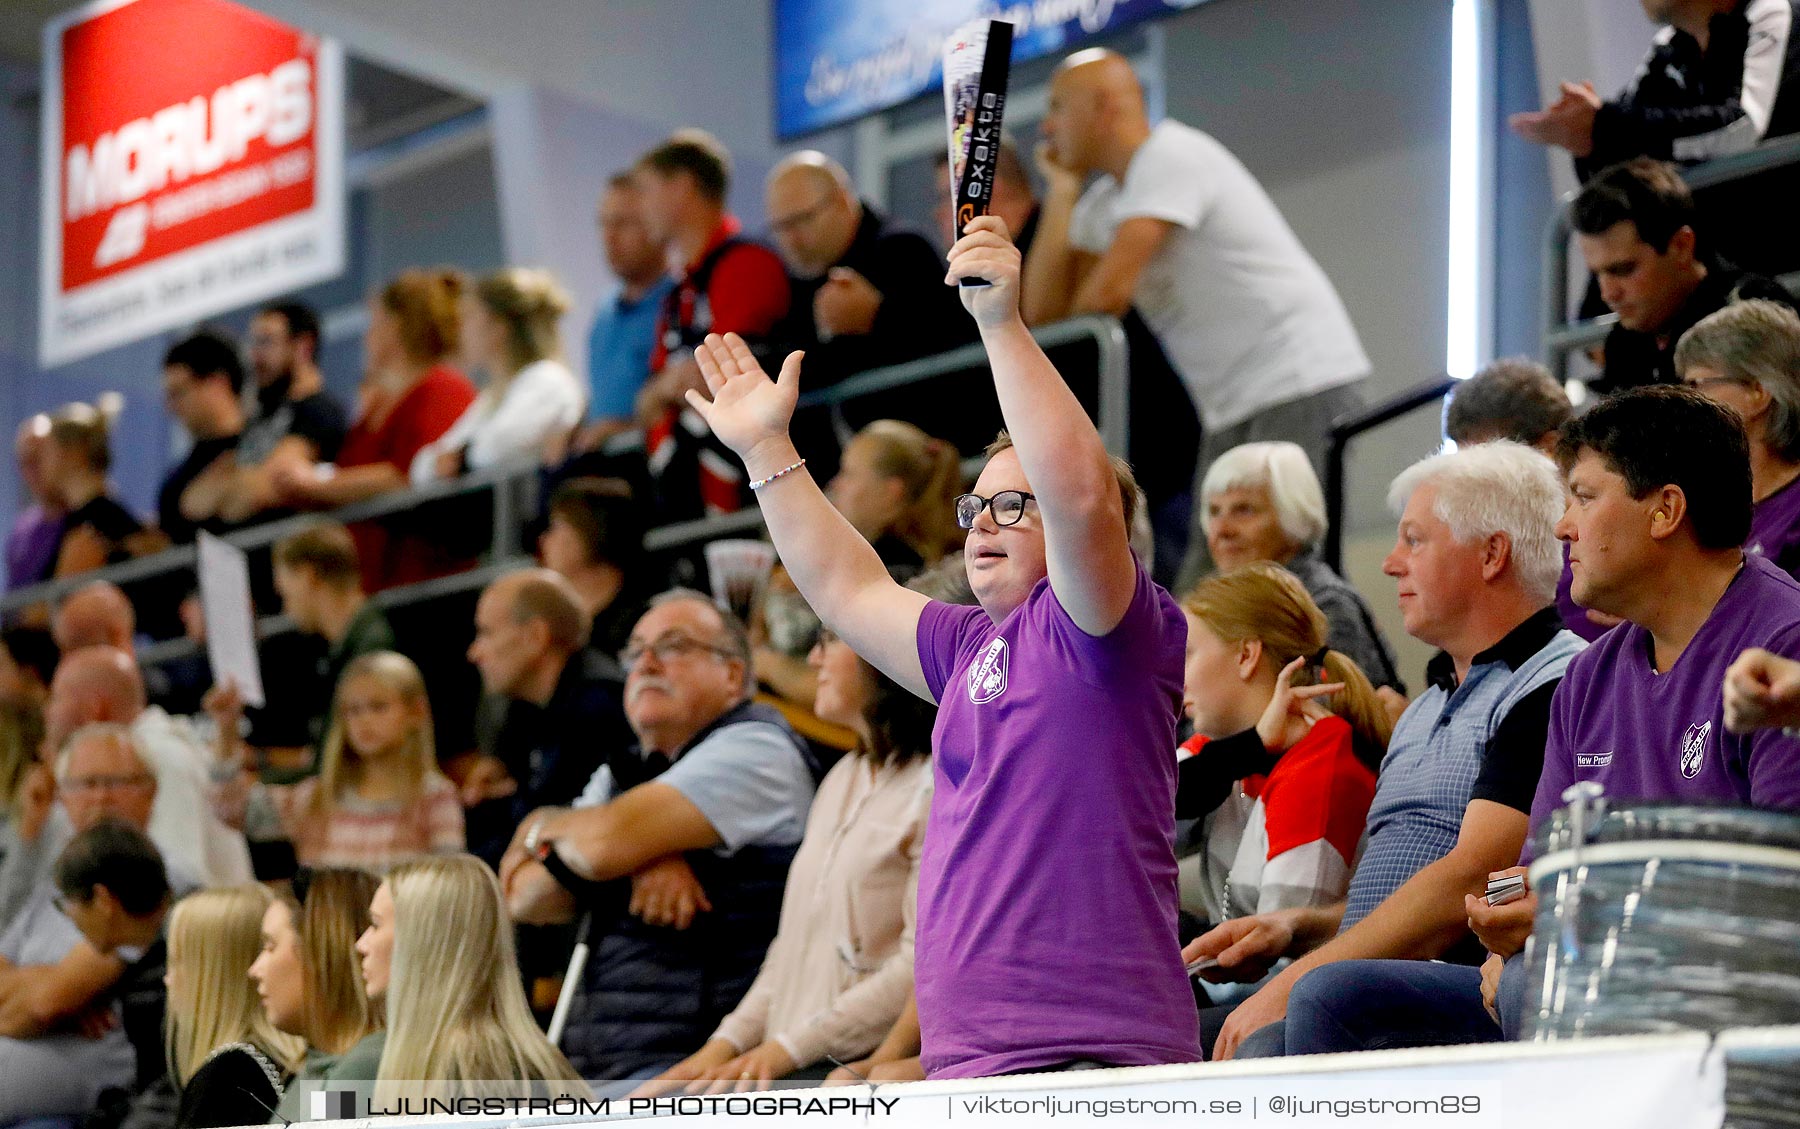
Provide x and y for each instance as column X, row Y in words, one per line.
column 529, row 395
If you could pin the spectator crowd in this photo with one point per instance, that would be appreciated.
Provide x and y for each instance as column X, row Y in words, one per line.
column 1075, row 764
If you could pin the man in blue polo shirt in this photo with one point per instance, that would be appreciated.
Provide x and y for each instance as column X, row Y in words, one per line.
column 624, row 330
column 1655, row 536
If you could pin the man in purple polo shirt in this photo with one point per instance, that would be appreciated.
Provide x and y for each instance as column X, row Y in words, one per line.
column 1046, row 932
column 1655, row 537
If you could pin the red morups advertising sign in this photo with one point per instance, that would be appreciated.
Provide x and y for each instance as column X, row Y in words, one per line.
column 192, row 163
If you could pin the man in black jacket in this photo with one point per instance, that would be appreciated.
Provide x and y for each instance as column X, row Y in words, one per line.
column 867, row 293
column 564, row 704
column 1716, row 82
column 1636, row 226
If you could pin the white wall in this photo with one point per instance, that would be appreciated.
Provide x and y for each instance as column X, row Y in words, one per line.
column 1341, row 109
column 695, row 62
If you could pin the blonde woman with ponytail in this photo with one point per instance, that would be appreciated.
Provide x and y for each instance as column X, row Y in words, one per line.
column 226, row 1059
column 529, row 396
column 1288, row 737
column 439, row 953
column 898, row 487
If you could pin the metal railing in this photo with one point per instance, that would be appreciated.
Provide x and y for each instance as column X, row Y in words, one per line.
column 1559, row 335
column 510, row 483
column 514, row 486
column 1347, row 428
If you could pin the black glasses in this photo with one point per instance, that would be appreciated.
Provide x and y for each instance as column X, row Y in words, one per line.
column 667, row 649
column 1008, row 507
column 800, row 218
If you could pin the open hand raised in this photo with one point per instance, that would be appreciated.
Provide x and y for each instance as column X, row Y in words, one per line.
column 746, row 410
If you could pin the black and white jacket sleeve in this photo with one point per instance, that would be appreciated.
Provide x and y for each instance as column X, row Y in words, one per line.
column 1688, row 106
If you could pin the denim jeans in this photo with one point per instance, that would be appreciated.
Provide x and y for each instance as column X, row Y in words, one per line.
column 1368, row 1005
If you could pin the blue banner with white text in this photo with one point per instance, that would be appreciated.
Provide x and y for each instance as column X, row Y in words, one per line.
column 836, row 60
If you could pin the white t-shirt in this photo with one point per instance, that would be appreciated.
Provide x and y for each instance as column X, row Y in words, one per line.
column 1245, row 315
column 543, row 397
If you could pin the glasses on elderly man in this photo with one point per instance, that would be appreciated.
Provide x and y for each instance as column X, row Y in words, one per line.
column 102, row 783
column 667, row 648
column 1008, row 507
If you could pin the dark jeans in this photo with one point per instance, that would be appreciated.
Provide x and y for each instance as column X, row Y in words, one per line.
column 1367, row 1005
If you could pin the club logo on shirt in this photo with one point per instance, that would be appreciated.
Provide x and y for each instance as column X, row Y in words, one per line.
column 987, row 675
column 1693, row 748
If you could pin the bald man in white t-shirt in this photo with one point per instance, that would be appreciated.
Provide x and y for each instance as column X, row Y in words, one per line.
column 1175, row 225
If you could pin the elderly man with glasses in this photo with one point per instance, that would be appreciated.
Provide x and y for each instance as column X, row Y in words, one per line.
column 678, row 849
column 61, row 1044
column 103, row 684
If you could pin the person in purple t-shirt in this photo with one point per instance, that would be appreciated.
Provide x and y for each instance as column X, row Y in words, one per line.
column 1747, row 357
column 36, row 533
column 1654, row 536
column 1046, row 932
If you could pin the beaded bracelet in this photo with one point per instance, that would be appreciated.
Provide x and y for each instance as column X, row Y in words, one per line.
column 784, row 471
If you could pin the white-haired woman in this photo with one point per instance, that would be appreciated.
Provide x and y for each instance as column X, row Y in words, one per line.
column 1747, row 358
column 439, row 953
column 226, row 1058
column 1262, row 502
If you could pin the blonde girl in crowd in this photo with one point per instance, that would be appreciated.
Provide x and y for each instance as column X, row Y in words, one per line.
column 1289, row 735
column 378, row 798
column 438, row 952
column 529, row 396
column 898, row 486
column 227, row 1060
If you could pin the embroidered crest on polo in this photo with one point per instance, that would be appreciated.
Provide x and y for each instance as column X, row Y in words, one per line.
column 987, row 675
column 1693, row 748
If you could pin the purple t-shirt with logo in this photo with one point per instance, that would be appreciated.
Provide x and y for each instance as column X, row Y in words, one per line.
column 1047, row 893
column 1775, row 529
column 1661, row 737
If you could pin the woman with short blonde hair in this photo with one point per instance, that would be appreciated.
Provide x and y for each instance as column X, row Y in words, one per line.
column 227, row 1060
column 1747, row 357
column 439, row 954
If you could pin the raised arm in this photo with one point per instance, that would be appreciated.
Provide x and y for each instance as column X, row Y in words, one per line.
column 831, row 564
column 1085, row 539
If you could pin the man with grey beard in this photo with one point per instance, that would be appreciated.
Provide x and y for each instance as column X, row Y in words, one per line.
column 677, row 851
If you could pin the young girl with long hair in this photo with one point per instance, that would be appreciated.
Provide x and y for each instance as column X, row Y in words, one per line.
column 378, row 798
column 1304, row 757
column 438, row 953
column 310, row 984
column 226, row 1059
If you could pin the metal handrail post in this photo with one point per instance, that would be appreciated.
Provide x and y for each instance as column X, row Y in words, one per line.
column 1115, row 385
column 1556, row 287
column 1346, row 428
